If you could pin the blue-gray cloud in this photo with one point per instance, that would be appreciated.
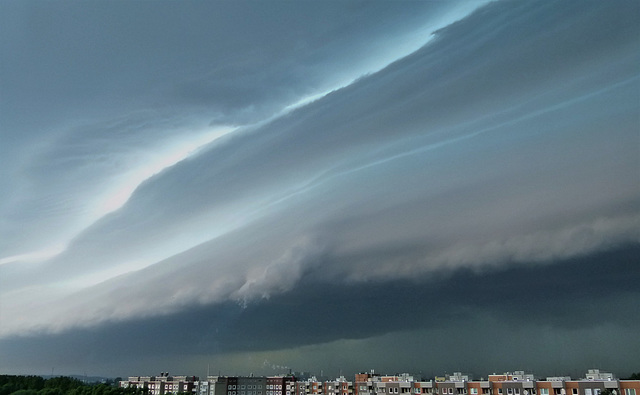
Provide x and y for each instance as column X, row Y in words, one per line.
column 510, row 137
column 105, row 88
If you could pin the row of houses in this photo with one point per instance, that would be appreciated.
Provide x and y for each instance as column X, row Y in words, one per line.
column 595, row 382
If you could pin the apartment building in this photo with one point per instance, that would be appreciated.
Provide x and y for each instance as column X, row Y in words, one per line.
column 280, row 385
column 516, row 383
column 424, row 387
column 236, row 385
column 453, row 384
column 163, row 384
column 363, row 383
column 595, row 382
column 339, row 386
column 629, row 387
column 375, row 384
column 310, row 386
column 479, row 388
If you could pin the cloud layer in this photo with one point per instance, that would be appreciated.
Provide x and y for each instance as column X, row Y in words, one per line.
column 235, row 164
column 577, row 311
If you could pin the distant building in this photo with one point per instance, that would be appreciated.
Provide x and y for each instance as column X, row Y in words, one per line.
column 458, row 377
column 596, row 374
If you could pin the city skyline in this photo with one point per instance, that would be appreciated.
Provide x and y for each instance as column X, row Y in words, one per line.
column 372, row 374
column 593, row 382
column 418, row 185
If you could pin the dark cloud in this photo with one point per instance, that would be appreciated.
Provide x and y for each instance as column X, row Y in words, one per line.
column 583, row 293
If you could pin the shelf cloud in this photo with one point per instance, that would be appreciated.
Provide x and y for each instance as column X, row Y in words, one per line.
column 193, row 171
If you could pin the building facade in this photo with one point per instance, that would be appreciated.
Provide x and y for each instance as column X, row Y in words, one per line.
column 595, row 382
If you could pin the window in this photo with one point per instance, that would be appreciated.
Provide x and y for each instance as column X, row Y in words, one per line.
column 544, row 391
column 574, row 391
column 629, row 391
column 500, row 391
column 509, row 391
column 451, row 390
column 473, row 391
column 516, row 391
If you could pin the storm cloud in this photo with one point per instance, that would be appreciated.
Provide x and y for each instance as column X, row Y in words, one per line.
column 209, row 175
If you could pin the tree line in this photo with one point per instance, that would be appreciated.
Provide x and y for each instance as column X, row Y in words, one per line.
column 36, row 385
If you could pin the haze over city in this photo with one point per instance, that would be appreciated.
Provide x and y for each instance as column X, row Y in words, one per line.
column 257, row 186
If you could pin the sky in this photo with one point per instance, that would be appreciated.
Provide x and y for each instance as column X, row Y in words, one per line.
column 257, row 186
